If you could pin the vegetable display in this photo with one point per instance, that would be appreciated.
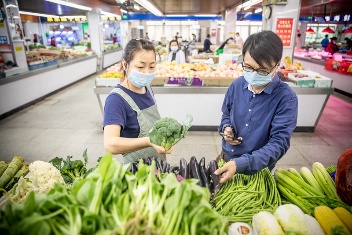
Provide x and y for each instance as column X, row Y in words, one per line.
column 111, row 200
column 308, row 189
column 245, row 195
column 329, row 221
column 168, row 131
column 71, row 170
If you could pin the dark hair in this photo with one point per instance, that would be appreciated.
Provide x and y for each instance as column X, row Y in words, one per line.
column 264, row 47
column 224, row 43
column 134, row 46
column 326, row 35
column 298, row 35
column 208, row 36
column 333, row 38
column 170, row 44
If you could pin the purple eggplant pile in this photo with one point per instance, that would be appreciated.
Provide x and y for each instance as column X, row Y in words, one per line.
column 188, row 170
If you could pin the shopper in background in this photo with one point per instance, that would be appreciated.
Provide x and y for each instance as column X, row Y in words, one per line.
column 325, row 41
column 146, row 36
column 223, row 48
column 175, row 54
column 258, row 107
column 114, row 39
column 194, row 37
column 298, row 41
column 239, row 40
column 176, row 37
column 130, row 110
column 332, row 47
column 52, row 42
column 207, row 44
column 348, row 43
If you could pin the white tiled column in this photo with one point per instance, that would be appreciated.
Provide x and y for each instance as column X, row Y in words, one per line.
column 95, row 32
column 230, row 23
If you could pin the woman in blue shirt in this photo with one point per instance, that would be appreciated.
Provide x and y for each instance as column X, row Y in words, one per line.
column 130, row 110
column 259, row 108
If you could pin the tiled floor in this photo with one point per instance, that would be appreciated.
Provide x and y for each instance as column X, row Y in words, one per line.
column 70, row 121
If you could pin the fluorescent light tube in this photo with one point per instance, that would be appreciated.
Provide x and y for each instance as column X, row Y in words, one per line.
column 149, row 6
column 36, row 14
column 258, row 10
column 248, row 4
column 108, row 13
column 69, row 4
column 11, row 5
column 123, row 11
column 209, row 15
column 176, row 15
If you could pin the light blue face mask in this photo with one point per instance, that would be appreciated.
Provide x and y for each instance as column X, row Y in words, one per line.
column 256, row 79
column 174, row 48
column 139, row 79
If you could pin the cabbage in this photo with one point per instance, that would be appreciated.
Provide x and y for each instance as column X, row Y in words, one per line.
column 292, row 220
column 265, row 223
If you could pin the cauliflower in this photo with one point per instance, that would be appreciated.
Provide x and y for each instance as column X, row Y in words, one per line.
column 41, row 178
column 167, row 131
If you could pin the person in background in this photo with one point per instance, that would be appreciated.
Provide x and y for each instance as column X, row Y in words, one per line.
column 146, row 36
column 258, row 107
column 52, row 42
column 114, row 39
column 239, row 40
column 223, row 48
column 194, row 37
column 298, row 41
column 176, row 37
column 130, row 110
column 175, row 53
column 348, row 43
column 36, row 43
column 207, row 44
column 332, row 47
column 325, row 41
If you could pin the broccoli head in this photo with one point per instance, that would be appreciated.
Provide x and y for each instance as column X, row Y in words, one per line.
column 167, row 132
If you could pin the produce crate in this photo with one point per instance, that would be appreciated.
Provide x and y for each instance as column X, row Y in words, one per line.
column 49, row 63
column 209, row 81
column 159, row 81
column 36, row 66
column 184, row 81
column 321, row 81
column 303, row 81
column 226, row 81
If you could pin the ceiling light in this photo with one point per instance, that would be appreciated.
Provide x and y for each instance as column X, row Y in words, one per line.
column 310, row 31
column 328, row 30
column 61, row 26
column 35, row 14
column 108, row 13
column 248, row 4
column 136, row 6
column 78, row 16
column 106, row 26
column 149, row 6
column 69, row 4
column 123, row 11
column 246, row 8
column 119, row 1
column 258, row 10
column 210, row 15
column 11, row 5
column 176, row 15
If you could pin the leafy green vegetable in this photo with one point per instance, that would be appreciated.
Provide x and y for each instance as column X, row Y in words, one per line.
column 71, row 170
column 168, row 131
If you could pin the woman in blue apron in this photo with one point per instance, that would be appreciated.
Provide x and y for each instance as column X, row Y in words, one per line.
column 130, row 109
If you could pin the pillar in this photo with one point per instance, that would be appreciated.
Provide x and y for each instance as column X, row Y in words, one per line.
column 230, row 23
column 288, row 12
column 95, row 32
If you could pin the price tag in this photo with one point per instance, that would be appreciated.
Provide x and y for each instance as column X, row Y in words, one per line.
column 18, row 49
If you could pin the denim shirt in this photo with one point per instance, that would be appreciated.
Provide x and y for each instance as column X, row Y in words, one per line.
column 265, row 121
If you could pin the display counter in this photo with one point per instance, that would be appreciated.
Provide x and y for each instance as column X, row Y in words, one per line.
column 205, row 103
column 24, row 89
column 111, row 57
column 342, row 82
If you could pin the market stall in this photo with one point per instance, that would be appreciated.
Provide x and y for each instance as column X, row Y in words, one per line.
column 39, row 83
column 112, row 56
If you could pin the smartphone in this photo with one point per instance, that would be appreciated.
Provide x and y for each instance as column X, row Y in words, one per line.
column 240, row 139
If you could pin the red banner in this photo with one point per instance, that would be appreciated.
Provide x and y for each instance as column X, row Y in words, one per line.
column 284, row 30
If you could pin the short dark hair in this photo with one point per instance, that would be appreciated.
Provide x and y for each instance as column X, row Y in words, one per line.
column 326, row 35
column 298, row 35
column 172, row 42
column 264, row 47
column 208, row 36
column 134, row 46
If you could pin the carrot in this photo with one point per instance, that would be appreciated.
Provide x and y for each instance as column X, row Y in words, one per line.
column 11, row 170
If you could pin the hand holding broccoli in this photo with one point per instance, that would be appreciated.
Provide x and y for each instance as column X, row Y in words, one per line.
column 167, row 131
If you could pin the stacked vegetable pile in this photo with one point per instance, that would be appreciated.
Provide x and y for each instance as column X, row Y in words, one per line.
column 308, row 189
column 114, row 71
column 245, row 195
column 10, row 173
column 111, row 200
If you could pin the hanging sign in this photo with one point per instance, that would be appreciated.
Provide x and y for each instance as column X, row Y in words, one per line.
column 284, row 28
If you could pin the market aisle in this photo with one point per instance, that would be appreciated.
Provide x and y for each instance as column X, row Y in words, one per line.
column 70, row 121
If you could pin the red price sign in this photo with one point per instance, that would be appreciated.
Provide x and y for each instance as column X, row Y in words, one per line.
column 284, row 30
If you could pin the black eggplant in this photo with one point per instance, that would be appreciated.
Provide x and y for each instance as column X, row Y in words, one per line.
column 144, row 161
column 163, row 170
column 195, row 171
column 184, row 172
column 149, row 160
column 157, row 164
column 167, row 167
column 175, row 170
column 215, row 178
column 211, row 186
column 203, row 174
column 134, row 168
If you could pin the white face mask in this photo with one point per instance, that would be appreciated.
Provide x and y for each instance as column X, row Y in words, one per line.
column 139, row 79
column 174, row 48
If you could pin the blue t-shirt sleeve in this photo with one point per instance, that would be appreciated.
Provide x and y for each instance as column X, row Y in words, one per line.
column 115, row 111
